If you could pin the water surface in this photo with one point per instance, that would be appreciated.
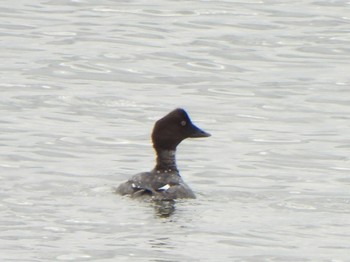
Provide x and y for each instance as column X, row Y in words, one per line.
column 82, row 83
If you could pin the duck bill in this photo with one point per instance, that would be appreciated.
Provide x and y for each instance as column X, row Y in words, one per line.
column 197, row 132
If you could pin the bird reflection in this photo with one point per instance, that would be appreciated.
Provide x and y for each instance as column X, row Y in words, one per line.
column 164, row 208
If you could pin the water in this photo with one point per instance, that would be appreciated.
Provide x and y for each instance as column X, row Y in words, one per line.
column 82, row 83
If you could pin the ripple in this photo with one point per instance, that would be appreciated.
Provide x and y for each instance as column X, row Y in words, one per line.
column 17, row 202
column 152, row 12
column 225, row 12
column 340, row 168
column 206, row 65
column 62, row 33
column 252, row 116
column 283, row 141
column 110, row 10
column 168, row 13
column 230, row 91
column 9, row 166
column 85, row 222
column 84, row 66
column 296, row 206
column 55, row 229
column 72, row 257
column 319, row 204
column 341, row 83
column 13, row 85
column 324, row 51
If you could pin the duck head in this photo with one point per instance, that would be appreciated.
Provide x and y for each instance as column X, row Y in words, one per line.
column 169, row 131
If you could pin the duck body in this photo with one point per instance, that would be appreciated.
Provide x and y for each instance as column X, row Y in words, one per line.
column 160, row 186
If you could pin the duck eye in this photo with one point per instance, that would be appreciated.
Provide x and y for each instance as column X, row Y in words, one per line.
column 183, row 123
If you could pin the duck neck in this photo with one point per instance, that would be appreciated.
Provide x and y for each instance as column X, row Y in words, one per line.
column 166, row 160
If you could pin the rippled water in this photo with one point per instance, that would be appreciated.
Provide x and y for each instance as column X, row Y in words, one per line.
column 82, row 83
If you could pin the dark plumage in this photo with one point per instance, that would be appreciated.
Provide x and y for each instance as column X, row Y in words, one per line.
column 164, row 181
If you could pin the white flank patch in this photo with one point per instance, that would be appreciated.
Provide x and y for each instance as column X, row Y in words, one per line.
column 166, row 187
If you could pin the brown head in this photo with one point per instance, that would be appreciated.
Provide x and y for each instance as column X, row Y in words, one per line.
column 176, row 126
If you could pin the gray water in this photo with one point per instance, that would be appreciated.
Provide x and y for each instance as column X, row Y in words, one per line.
column 82, row 83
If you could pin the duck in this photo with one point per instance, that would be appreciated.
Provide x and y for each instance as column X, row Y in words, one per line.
column 164, row 181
